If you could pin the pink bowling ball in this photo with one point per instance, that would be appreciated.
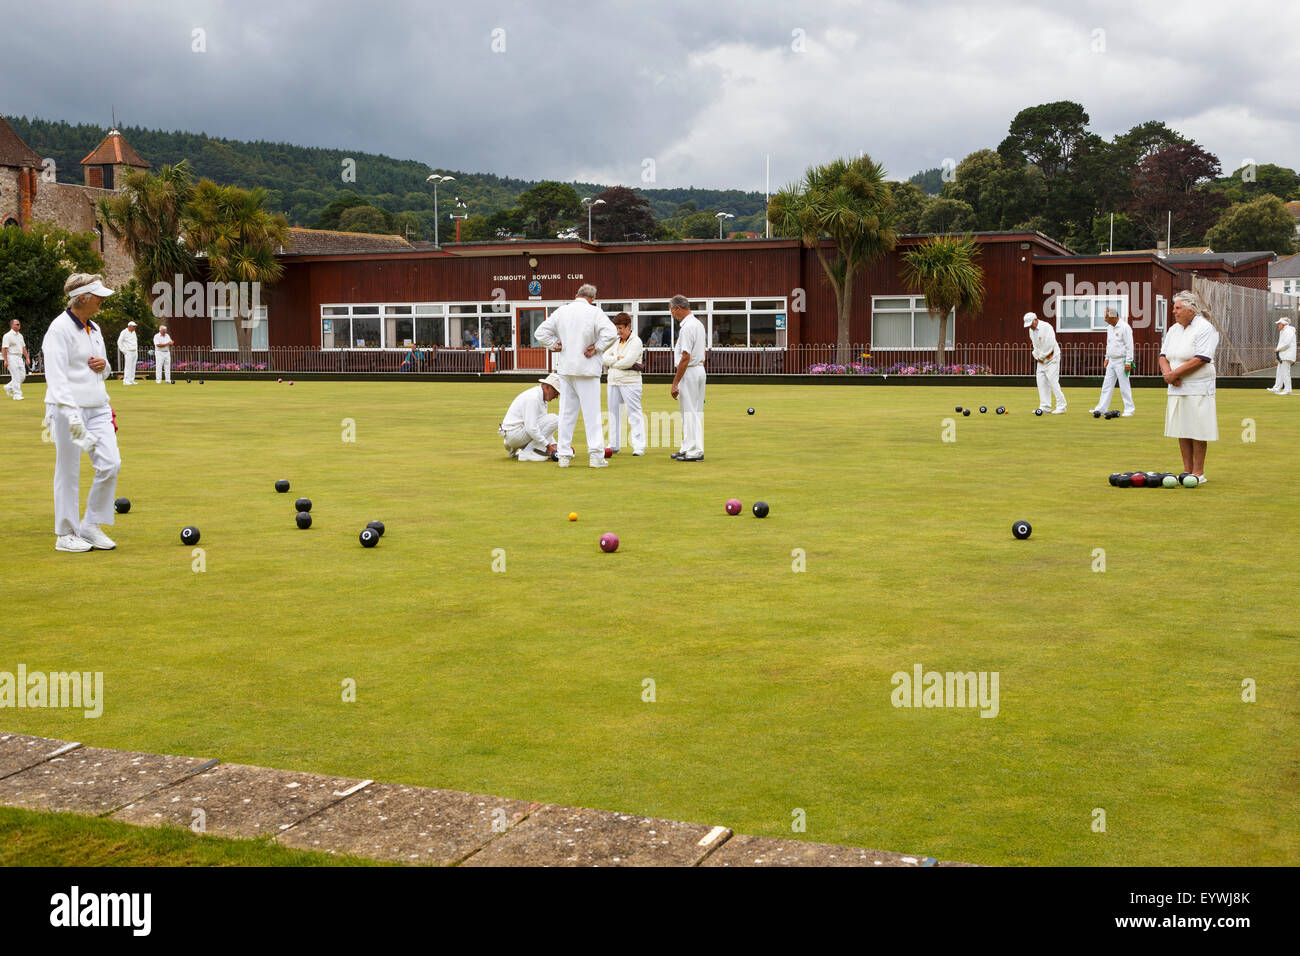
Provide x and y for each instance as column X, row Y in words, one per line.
column 734, row 506
column 609, row 542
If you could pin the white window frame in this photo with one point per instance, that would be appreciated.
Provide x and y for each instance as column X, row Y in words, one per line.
column 1096, row 317
column 1162, row 313
column 225, row 313
column 917, row 309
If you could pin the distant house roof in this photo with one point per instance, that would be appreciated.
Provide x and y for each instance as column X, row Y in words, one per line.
column 13, row 151
column 309, row 242
column 112, row 151
column 1293, row 207
column 1287, row 268
column 1177, row 251
column 1233, row 259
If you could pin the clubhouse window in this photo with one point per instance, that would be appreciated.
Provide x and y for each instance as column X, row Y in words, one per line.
column 225, row 334
column 1087, row 313
column 903, row 322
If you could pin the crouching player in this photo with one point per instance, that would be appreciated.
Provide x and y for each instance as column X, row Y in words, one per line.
column 528, row 428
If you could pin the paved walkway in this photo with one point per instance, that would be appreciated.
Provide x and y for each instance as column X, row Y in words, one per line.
column 382, row 821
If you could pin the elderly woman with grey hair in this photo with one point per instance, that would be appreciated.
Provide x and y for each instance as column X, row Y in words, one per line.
column 79, row 417
column 1187, row 364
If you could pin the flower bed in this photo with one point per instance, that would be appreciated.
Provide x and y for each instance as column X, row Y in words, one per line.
column 218, row 367
column 898, row 368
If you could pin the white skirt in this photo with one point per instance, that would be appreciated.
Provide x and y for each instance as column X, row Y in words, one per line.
column 1191, row 416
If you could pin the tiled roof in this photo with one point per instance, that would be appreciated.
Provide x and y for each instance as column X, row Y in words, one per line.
column 113, row 150
column 310, row 242
column 13, row 151
column 1287, row 268
column 1230, row 258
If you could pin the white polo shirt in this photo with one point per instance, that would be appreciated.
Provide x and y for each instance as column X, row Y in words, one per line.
column 1198, row 339
column 67, row 349
column 1043, row 340
column 12, row 344
column 526, row 412
column 691, row 338
column 1119, row 341
column 126, row 342
column 163, row 343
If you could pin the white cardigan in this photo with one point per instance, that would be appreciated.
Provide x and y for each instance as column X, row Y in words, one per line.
column 621, row 371
column 67, row 350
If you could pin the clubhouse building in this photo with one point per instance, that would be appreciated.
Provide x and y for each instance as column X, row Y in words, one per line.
column 371, row 298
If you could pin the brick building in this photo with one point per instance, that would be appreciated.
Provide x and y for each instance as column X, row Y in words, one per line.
column 29, row 192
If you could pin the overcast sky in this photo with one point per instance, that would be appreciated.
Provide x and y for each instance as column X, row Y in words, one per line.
column 702, row 88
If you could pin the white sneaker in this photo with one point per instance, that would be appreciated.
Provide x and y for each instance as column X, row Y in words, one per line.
column 1127, row 414
column 1059, row 410
column 70, row 542
column 98, row 540
column 563, row 462
column 1273, row 389
column 598, row 461
column 17, row 397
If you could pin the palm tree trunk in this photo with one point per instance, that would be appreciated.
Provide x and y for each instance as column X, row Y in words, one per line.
column 842, row 350
column 943, row 338
column 244, row 339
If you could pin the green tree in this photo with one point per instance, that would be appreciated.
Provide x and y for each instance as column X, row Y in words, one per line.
column 948, row 215
column 240, row 239
column 31, row 284
column 76, row 250
column 365, row 218
column 930, row 181
column 910, row 202
column 1251, row 182
column 128, row 303
column 332, row 213
column 1254, row 226
column 1126, row 233
column 847, row 201
column 548, row 206
column 146, row 217
column 944, row 269
column 403, row 220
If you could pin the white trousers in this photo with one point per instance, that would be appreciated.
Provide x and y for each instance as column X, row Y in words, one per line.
column 620, row 398
column 1049, row 374
column 17, row 372
column 1283, row 383
column 128, row 368
column 580, row 393
column 162, row 360
column 67, row 470
column 518, row 440
column 1115, row 373
column 690, row 399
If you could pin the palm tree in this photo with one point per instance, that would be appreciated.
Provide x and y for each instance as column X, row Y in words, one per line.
column 231, row 228
column 849, row 202
column 944, row 270
column 146, row 217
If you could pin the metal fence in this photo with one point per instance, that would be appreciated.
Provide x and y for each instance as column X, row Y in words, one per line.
column 1247, row 322
column 1077, row 358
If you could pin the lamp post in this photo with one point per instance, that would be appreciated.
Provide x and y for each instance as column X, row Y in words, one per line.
column 721, row 216
column 589, row 202
column 436, row 179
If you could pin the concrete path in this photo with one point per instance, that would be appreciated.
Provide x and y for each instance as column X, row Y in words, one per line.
column 413, row 825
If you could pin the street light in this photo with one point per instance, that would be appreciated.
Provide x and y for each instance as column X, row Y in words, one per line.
column 721, row 216
column 589, row 202
column 436, row 179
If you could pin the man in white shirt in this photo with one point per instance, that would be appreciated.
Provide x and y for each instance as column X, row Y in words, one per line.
column 528, row 428
column 689, row 353
column 1047, row 357
column 16, row 359
column 127, row 348
column 162, row 354
column 580, row 332
column 1119, row 362
column 1285, row 356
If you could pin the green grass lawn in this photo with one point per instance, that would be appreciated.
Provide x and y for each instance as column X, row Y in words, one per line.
column 66, row 839
column 1119, row 690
